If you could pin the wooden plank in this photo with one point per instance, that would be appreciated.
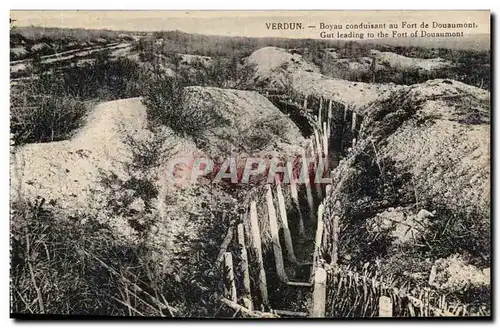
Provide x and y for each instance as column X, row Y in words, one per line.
column 307, row 183
column 223, row 247
column 299, row 284
column 319, row 191
column 318, row 143
column 256, row 242
column 318, row 158
column 247, row 295
column 320, row 111
column 329, row 119
column 230, row 285
column 361, row 127
column 319, row 234
column 245, row 219
column 384, row 307
column 426, row 303
column 411, row 310
column 345, row 112
column 432, row 275
column 328, row 189
column 314, row 149
column 291, row 313
column 328, row 130
column 335, row 239
column 330, row 105
column 293, row 189
column 325, row 142
column 318, row 174
column 319, row 294
column 252, row 314
column 284, row 222
column 273, row 223
column 353, row 129
column 295, row 199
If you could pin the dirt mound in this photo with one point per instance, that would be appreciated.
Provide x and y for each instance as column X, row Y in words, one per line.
column 454, row 273
column 248, row 122
column 416, row 188
column 106, row 166
column 353, row 94
column 270, row 60
column 18, row 52
column 276, row 68
column 187, row 59
column 332, row 53
column 361, row 64
column 452, row 155
column 444, row 142
column 68, row 171
column 353, row 68
column 393, row 60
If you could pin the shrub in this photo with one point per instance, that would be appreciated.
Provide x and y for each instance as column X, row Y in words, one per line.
column 80, row 266
column 51, row 119
column 264, row 132
column 460, row 231
column 166, row 104
column 77, row 268
column 52, row 105
column 164, row 101
column 101, row 79
column 223, row 72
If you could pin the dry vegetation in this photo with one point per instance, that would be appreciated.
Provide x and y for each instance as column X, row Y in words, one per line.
column 81, row 266
column 415, row 192
column 30, row 42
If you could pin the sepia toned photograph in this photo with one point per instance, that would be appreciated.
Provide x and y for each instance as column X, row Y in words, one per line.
column 250, row 164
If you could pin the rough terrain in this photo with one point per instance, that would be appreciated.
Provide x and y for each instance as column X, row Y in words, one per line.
column 71, row 174
column 276, row 68
column 393, row 60
column 424, row 193
column 416, row 191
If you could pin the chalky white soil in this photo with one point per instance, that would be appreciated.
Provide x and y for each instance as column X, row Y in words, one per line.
column 276, row 67
column 69, row 174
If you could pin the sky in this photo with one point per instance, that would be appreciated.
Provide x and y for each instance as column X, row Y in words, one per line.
column 239, row 23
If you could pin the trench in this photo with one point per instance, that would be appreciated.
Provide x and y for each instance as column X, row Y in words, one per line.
column 340, row 139
column 293, row 296
column 280, row 270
